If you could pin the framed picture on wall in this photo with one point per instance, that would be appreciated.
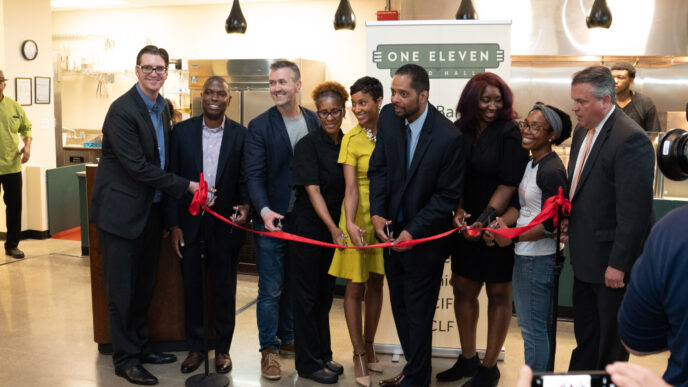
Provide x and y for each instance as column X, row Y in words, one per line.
column 42, row 85
column 23, row 91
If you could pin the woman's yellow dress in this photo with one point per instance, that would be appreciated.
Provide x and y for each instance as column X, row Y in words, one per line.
column 350, row 263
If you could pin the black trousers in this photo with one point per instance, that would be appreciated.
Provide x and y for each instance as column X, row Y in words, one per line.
column 595, row 326
column 12, row 196
column 130, row 267
column 414, row 279
column 221, row 262
column 313, row 289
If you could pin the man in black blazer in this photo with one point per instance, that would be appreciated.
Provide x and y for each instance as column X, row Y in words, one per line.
column 125, row 206
column 268, row 156
column 416, row 179
column 212, row 144
column 610, row 174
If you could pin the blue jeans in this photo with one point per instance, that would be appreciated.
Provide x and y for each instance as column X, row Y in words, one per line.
column 273, row 309
column 533, row 280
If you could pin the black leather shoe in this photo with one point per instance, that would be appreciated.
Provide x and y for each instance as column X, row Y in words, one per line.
column 392, row 382
column 321, row 376
column 158, row 358
column 486, row 377
column 14, row 253
column 192, row 362
column 334, row 367
column 137, row 375
column 461, row 369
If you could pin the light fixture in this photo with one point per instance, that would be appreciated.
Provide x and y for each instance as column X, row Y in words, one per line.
column 600, row 15
column 236, row 22
column 466, row 11
column 344, row 18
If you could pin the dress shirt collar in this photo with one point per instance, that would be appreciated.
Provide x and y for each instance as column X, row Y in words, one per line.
column 417, row 125
column 221, row 127
column 156, row 106
column 601, row 124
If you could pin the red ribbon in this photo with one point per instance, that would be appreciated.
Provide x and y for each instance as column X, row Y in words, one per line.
column 549, row 210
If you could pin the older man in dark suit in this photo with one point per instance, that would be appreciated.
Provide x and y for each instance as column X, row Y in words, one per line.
column 126, row 208
column 213, row 144
column 610, row 174
column 416, row 178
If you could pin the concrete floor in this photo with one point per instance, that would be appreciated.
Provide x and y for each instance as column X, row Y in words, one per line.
column 46, row 336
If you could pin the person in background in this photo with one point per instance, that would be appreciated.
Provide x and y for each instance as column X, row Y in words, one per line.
column 319, row 183
column 175, row 114
column 495, row 164
column 363, row 269
column 126, row 206
column 637, row 106
column 268, row 155
column 535, row 250
column 13, row 122
column 416, row 177
column 611, row 172
column 652, row 317
column 211, row 144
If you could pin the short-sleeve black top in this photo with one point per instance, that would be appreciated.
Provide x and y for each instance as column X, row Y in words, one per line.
column 494, row 158
column 315, row 163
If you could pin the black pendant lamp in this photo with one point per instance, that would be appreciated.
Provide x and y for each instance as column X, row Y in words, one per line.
column 236, row 22
column 344, row 18
column 466, row 11
column 600, row 15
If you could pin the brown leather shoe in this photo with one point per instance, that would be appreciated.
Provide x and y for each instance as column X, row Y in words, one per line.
column 269, row 365
column 223, row 363
column 192, row 362
column 392, row 382
column 287, row 349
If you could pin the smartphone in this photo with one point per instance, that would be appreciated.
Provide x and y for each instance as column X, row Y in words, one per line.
column 572, row 379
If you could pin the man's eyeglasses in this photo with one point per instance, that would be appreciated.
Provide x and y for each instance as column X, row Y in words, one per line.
column 523, row 125
column 2, row 80
column 336, row 113
column 147, row 69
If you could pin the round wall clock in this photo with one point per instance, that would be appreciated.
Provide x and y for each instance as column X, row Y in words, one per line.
column 29, row 49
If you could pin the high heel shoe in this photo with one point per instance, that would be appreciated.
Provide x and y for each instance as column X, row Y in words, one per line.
column 376, row 365
column 359, row 368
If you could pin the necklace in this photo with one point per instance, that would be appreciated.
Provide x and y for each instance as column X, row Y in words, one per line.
column 369, row 133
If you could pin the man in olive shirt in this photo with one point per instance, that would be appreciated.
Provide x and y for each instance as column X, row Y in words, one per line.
column 638, row 106
column 12, row 121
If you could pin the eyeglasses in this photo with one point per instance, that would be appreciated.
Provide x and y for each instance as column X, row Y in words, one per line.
column 147, row 69
column 3, row 80
column 336, row 113
column 523, row 125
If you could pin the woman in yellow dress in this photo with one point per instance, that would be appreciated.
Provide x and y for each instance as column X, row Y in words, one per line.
column 361, row 268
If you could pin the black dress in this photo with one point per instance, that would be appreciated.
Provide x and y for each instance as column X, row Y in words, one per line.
column 315, row 163
column 494, row 158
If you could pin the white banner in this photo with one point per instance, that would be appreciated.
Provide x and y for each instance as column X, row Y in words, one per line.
column 452, row 52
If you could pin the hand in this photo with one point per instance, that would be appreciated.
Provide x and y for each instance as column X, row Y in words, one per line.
column 193, row 187
column 211, row 201
column 564, row 231
column 338, row 236
column 614, row 278
column 356, row 234
column 243, row 214
column 381, row 224
column 403, row 236
column 475, row 237
column 269, row 221
column 500, row 240
column 460, row 218
column 177, row 241
column 525, row 377
column 25, row 154
column 626, row 374
column 489, row 237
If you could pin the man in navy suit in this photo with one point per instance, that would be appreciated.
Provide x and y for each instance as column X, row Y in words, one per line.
column 127, row 210
column 268, row 156
column 416, row 179
column 213, row 144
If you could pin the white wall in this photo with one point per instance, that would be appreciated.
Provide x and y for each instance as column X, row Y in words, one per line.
column 22, row 20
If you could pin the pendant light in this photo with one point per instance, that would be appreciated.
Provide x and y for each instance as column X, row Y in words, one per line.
column 235, row 23
column 600, row 15
column 466, row 11
column 344, row 18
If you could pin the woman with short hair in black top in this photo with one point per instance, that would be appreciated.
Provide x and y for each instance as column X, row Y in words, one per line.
column 494, row 166
column 319, row 183
column 533, row 276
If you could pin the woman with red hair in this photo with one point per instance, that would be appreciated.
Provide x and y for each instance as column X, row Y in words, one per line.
column 494, row 167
